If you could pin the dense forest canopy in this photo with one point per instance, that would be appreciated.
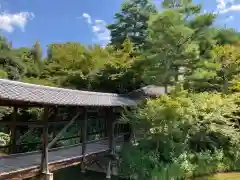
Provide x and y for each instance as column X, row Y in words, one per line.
column 148, row 46
column 177, row 46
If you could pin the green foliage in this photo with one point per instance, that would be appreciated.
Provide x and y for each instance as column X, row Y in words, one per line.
column 4, row 139
column 92, row 68
column 218, row 73
column 235, row 85
column 3, row 74
column 120, row 74
column 31, row 67
column 131, row 23
column 167, row 59
column 179, row 136
column 227, row 36
column 38, row 81
column 192, row 134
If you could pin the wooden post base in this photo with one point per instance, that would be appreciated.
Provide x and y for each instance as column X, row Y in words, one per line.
column 83, row 170
column 109, row 167
column 114, row 169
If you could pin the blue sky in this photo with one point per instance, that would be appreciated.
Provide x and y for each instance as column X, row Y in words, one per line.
column 24, row 21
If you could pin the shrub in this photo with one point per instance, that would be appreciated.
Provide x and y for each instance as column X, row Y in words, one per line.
column 192, row 133
column 4, row 139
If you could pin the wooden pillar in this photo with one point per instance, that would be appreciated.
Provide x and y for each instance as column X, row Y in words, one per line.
column 44, row 163
column 106, row 122
column 46, row 175
column 84, row 139
column 12, row 148
column 55, row 117
column 111, row 141
column 128, row 130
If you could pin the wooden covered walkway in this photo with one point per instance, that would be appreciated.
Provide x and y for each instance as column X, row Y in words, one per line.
column 27, row 165
column 80, row 107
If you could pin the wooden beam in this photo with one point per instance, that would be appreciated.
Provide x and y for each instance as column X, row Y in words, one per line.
column 84, row 139
column 61, row 139
column 33, row 124
column 106, row 122
column 33, row 171
column 44, row 163
column 36, row 123
column 63, row 130
column 111, row 128
column 17, row 103
column 13, row 131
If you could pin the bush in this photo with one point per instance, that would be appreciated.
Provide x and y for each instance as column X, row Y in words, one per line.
column 4, row 139
column 192, row 134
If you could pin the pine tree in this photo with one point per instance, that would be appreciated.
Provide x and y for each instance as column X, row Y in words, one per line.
column 171, row 49
column 132, row 23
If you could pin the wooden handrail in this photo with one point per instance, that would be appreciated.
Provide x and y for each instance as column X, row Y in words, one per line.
column 62, row 139
column 37, row 123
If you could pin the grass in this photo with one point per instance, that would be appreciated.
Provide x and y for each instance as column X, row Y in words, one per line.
column 222, row 176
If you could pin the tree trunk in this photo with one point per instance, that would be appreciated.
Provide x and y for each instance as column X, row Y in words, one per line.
column 166, row 88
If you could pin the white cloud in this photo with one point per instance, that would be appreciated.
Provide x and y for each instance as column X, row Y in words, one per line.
column 101, row 33
column 10, row 21
column 225, row 6
column 100, row 30
column 87, row 17
column 221, row 4
column 235, row 7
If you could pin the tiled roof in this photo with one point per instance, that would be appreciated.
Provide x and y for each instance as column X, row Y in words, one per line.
column 148, row 91
column 38, row 94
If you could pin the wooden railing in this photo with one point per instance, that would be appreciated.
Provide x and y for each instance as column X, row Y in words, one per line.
column 95, row 128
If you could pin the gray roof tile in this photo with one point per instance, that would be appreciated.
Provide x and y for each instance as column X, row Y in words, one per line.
column 38, row 94
column 147, row 91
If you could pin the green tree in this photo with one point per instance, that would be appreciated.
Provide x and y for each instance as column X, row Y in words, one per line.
column 188, row 7
column 121, row 73
column 204, row 77
column 227, row 36
column 131, row 23
column 65, row 59
column 74, row 65
column 36, row 53
column 9, row 63
column 200, row 22
column 218, row 73
column 171, row 50
column 204, row 33
column 24, row 55
column 228, row 58
column 182, row 135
